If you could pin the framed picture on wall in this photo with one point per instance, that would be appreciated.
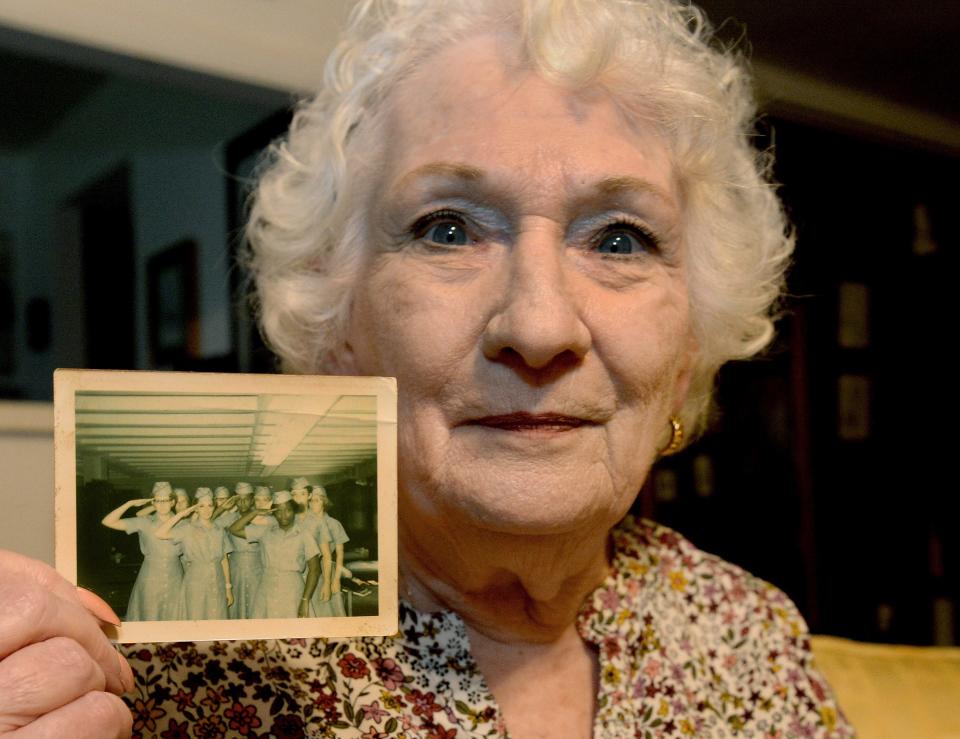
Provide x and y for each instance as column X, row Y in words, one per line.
column 172, row 312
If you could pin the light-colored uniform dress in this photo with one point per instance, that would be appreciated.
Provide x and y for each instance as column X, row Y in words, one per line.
column 337, row 536
column 246, row 567
column 285, row 555
column 156, row 594
column 320, row 531
column 204, row 587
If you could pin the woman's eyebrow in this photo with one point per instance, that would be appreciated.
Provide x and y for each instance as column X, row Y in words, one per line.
column 628, row 185
column 451, row 170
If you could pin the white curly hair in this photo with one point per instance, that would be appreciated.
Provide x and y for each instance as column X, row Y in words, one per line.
column 656, row 58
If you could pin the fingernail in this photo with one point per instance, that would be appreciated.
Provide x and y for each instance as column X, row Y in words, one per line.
column 126, row 674
column 97, row 606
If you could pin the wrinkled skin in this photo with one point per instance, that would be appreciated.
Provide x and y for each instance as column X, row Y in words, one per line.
column 59, row 675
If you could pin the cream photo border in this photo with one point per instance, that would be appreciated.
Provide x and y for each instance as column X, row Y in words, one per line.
column 68, row 382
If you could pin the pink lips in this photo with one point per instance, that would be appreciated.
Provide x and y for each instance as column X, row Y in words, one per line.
column 548, row 422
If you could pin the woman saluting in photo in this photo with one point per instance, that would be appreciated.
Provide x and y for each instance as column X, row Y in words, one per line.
column 287, row 551
column 156, row 594
column 246, row 566
column 207, row 591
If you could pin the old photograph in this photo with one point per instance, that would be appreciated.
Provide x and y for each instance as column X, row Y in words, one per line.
column 210, row 506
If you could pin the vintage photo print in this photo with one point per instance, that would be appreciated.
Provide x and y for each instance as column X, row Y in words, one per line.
column 214, row 506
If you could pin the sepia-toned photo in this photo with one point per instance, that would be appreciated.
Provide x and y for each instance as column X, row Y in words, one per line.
column 210, row 506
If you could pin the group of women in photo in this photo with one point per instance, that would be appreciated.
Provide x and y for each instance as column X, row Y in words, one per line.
column 253, row 554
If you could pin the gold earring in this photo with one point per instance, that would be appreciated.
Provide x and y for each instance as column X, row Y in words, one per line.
column 676, row 437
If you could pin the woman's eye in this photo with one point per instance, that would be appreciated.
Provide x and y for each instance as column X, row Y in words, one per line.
column 444, row 228
column 626, row 241
column 447, row 233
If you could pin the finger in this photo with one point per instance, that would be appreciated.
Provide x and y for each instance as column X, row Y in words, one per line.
column 96, row 715
column 43, row 677
column 16, row 566
column 30, row 613
column 97, row 606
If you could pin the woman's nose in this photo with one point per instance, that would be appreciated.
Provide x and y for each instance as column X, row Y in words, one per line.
column 538, row 323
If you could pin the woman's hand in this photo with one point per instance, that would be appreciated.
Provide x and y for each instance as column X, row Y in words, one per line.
column 229, row 596
column 165, row 531
column 229, row 504
column 112, row 519
column 59, row 675
column 325, row 593
column 335, row 585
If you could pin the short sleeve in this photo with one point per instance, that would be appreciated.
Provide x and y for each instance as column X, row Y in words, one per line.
column 179, row 531
column 224, row 520
column 337, row 533
column 310, row 548
column 134, row 525
column 255, row 532
column 227, row 544
column 319, row 531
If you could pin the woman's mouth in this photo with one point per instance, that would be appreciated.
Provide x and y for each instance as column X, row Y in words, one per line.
column 544, row 422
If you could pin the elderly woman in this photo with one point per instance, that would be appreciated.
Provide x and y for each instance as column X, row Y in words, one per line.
column 545, row 219
column 156, row 592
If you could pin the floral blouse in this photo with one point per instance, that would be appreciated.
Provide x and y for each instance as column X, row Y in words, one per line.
column 689, row 646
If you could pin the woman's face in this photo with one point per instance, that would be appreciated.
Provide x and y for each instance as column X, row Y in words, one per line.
column 525, row 283
column 205, row 509
column 300, row 496
column 284, row 513
column 163, row 505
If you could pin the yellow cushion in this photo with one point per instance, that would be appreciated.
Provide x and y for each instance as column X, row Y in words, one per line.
column 893, row 692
